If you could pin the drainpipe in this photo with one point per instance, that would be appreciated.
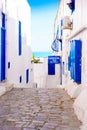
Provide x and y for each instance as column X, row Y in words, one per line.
column 77, row 32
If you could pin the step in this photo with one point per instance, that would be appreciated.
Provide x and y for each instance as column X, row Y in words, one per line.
column 5, row 87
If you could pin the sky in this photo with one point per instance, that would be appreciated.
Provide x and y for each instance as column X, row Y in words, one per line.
column 43, row 13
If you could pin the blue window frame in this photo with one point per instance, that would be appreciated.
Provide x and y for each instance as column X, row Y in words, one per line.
column 8, row 65
column 19, row 40
column 27, row 76
column 20, row 79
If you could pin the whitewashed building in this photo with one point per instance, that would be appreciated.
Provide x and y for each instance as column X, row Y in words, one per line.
column 15, row 41
column 71, row 20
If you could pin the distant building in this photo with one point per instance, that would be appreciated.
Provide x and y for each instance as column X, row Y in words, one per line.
column 71, row 22
column 15, row 41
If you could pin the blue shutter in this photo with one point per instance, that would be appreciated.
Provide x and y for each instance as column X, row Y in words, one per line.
column 78, row 49
column 75, row 67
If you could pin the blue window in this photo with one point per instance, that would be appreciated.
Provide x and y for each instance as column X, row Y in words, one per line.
column 20, row 79
column 8, row 65
column 71, row 5
column 27, row 75
column 20, row 40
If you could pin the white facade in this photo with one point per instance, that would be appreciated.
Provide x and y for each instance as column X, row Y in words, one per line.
column 40, row 73
column 42, row 78
column 18, row 68
column 78, row 32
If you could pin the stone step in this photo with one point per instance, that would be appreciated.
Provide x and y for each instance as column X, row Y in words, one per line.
column 5, row 87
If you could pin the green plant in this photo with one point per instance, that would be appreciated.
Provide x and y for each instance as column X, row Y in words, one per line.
column 34, row 59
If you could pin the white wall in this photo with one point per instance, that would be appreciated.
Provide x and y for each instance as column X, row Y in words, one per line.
column 18, row 11
column 42, row 78
column 53, row 81
column 40, row 73
column 79, row 18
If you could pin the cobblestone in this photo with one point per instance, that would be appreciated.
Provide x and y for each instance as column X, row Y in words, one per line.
column 37, row 109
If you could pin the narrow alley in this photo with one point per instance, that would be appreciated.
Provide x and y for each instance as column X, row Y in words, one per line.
column 37, row 109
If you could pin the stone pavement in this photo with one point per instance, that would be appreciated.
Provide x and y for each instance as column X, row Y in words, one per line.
column 37, row 109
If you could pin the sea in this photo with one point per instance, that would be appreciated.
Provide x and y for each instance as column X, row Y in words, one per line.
column 42, row 54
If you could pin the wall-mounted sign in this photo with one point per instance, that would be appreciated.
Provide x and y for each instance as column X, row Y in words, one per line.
column 53, row 59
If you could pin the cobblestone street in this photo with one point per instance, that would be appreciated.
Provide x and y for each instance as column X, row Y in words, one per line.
column 37, row 109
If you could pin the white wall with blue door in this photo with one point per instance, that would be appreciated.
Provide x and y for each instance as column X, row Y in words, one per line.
column 18, row 68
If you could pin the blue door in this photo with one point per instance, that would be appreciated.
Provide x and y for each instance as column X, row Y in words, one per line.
column 51, row 69
column 52, row 60
column 75, row 60
column 3, row 56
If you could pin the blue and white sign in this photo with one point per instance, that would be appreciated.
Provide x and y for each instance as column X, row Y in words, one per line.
column 53, row 59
